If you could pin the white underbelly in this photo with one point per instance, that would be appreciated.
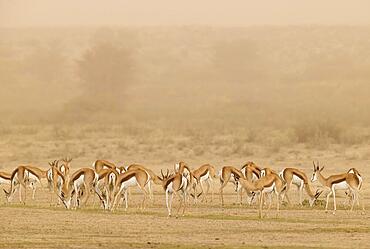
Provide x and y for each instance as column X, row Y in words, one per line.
column 79, row 181
column 129, row 183
column 340, row 185
column 269, row 189
column 4, row 181
column 297, row 181
column 205, row 177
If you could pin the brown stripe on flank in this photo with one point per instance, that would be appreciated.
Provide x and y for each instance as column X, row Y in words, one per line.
column 78, row 175
column 298, row 175
column 338, row 180
column 128, row 176
column 204, row 173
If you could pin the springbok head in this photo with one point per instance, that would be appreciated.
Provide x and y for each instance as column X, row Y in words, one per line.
column 66, row 165
column 316, row 171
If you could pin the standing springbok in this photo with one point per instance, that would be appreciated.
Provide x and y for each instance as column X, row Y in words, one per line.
column 347, row 181
column 172, row 185
column 300, row 179
column 270, row 183
column 134, row 177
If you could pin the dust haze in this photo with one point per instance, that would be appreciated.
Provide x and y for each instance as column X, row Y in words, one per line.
column 293, row 68
column 280, row 83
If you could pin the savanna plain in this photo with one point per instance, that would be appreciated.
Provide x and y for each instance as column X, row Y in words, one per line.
column 205, row 225
column 278, row 96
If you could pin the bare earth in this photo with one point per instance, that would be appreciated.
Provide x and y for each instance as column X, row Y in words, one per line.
column 207, row 225
column 37, row 225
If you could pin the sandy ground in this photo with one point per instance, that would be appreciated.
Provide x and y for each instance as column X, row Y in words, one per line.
column 207, row 225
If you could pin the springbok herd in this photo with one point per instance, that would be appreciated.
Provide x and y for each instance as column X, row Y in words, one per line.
column 111, row 183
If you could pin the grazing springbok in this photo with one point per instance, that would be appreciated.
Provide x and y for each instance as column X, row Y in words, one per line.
column 83, row 181
column 172, row 185
column 106, row 183
column 251, row 172
column 351, row 181
column 270, row 183
column 55, row 179
column 153, row 177
column 204, row 174
column 134, row 177
column 300, row 179
column 23, row 175
column 225, row 176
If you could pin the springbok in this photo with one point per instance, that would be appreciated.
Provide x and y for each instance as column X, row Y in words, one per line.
column 83, row 181
column 107, row 181
column 270, row 183
column 251, row 172
column 351, row 181
column 22, row 175
column 55, row 179
column 300, row 179
column 225, row 176
column 134, row 177
column 172, row 185
column 153, row 177
column 205, row 173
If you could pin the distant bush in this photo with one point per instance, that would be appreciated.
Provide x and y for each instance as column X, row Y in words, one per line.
column 317, row 132
column 355, row 135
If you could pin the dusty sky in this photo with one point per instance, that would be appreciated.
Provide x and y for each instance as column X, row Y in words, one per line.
column 187, row 12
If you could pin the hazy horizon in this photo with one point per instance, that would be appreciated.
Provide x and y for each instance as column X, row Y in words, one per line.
column 20, row 13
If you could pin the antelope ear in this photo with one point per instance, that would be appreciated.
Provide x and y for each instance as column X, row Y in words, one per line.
column 322, row 168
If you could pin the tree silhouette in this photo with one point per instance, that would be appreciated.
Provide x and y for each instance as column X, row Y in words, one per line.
column 105, row 70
